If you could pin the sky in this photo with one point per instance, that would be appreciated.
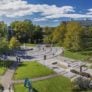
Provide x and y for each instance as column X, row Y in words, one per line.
column 45, row 12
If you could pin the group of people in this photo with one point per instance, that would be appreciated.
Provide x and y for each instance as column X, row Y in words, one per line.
column 18, row 59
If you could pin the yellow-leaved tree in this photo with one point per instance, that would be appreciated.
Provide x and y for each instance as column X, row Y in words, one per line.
column 14, row 43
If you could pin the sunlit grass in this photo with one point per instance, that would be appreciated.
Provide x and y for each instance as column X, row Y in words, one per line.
column 31, row 70
column 56, row 84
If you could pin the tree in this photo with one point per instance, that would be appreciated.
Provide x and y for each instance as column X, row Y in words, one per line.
column 48, row 39
column 59, row 34
column 38, row 34
column 3, row 29
column 48, row 34
column 22, row 30
column 3, row 45
column 73, row 37
column 87, row 37
column 14, row 43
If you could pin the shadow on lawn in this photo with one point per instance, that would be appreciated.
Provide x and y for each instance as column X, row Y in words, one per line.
column 34, row 90
column 17, row 64
column 86, row 53
column 22, row 65
column 80, row 90
column 5, row 63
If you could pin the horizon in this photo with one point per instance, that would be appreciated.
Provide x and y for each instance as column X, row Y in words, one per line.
column 44, row 12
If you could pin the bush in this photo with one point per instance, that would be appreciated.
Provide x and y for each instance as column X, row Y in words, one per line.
column 82, row 73
column 74, row 71
column 81, row 83
column 86, row 74
column 1, row 88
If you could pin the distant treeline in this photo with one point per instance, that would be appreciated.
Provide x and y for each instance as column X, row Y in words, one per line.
column 24, row 31
column 71, row 35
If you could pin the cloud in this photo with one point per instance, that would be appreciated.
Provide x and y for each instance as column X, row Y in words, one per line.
column 89, row 11
column 52, row 10
column 56, row 20
column 40, row 19
column 69, row 16
column 14, row 8
column 19, row 8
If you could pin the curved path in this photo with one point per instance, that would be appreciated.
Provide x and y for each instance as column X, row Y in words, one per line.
column 36, row 54
column 37, row 79
column 53, row 60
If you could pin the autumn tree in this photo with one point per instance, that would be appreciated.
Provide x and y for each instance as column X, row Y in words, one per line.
column 48, row 34
column 14, row 43
column 73, row 37
column 59, row 34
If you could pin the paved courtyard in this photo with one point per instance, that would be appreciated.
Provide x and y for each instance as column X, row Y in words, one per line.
column 48, row 56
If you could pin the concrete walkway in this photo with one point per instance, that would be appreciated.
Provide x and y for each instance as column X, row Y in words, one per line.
column 6, row 80
column 38, row 79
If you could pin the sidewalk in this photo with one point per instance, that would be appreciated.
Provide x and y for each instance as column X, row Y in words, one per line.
column 6, row 80
column 38, row 79
column 8, row 90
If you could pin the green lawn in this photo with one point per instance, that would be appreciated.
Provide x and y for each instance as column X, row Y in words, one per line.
column 29, row 44
column 56, row 84
column 4, row 65
column 2, row 70
column 83, row 55
column 31, row 70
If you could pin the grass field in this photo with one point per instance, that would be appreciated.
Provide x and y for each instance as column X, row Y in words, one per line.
column 31, row 70
column 57, row 84
column 4, row 65
column 2, row 70
column 83, row 55
column 29, row 44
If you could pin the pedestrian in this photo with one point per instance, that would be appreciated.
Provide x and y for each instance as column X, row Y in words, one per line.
column 1, row 89
column 62, row 51
column 5, row 57
column 17, row 58
column 44, row 57
column 53, row 54
column 10, row 87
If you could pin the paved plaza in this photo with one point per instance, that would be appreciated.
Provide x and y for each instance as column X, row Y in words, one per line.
column 48, row 56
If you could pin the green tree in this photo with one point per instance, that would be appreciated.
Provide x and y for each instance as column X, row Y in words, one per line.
column 73, row 37
column 22, row 30
column 14, row 43
column 38, row 34
column 59, row 34
column 3, row 29
column 87, row 37
column 48, row 34
column 3, row 45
